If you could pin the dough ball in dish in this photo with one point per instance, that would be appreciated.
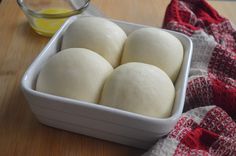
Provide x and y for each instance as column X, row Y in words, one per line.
column 75, row 73
column 140, row 88
column 156, row 47
column 97, row 34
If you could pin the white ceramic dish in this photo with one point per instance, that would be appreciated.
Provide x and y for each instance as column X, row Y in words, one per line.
column 97, row 120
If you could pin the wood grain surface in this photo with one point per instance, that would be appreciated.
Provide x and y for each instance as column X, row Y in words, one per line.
column 20, row 132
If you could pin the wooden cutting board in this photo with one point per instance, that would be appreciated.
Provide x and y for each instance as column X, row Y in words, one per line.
column 20, row 132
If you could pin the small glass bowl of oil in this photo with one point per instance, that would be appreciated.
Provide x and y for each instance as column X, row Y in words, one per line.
column 47, row 16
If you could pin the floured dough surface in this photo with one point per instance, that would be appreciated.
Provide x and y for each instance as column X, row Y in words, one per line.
column 97, row 34
column 156, row 47
column 75, row 73
column 140, row 88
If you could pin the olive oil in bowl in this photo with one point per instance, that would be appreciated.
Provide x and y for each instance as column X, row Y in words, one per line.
column 48, row 26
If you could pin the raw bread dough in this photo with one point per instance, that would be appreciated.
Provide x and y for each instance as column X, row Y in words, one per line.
column 97, row 34
column 156, row 47
column 75, row 73
column 139, row 88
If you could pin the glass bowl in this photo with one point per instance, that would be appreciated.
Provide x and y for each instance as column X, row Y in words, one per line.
column 47, row 16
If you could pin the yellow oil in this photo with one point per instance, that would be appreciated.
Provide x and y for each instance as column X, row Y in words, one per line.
column 47, row 27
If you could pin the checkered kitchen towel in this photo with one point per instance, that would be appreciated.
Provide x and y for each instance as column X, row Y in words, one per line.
column 207, row 128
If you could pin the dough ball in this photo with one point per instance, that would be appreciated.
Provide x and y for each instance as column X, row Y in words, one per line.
column 97, row 34
column 156, row 47
column 75, row 73
column 140, row 88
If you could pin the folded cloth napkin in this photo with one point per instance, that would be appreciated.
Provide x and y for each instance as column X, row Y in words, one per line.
column 207, row 128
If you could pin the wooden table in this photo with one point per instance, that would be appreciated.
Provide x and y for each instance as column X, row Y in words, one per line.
column 20, row 132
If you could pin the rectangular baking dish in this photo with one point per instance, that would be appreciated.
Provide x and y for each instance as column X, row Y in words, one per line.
column 97, row 120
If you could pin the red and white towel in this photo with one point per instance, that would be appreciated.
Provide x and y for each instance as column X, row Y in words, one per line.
column 207, row 126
